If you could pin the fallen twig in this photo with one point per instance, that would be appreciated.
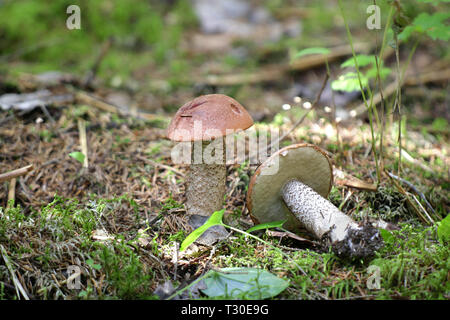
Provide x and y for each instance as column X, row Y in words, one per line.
column 85, row 98
column 413, row 80
column 156, row 164
column 275, row 72
column 15, row 173
column 282, row 234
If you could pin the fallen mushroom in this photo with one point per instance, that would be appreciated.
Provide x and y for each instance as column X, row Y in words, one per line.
column 206, row 120
column 297, row 193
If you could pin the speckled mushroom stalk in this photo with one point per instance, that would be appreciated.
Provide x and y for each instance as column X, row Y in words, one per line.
column 316, row 214
column 205, row 185
column 205, row 121
column 296, row 193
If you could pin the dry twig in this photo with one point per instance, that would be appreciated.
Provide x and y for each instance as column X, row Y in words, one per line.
column 12, row 192
column 83, row 142
column 15, row 173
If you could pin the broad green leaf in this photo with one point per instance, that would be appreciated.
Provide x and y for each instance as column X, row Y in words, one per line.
column 362, row 60
column 387, row 236
column 308, row 51
column 215, row 219
column 432, row 25
column 268, row 225
column 349, row 82
column 91, row 263
column 243, row 283
column 79, row 156
column 444, row 229
column 372, row 72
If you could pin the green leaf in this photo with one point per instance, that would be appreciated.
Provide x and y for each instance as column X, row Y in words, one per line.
column 362, row 60
column 443, row 229
column 309, row 51
column 372, row 72
column 248, row 283
column 349, row 82
column 91, row 263
column 268, row 225
column 432, row 25
column 215, row 219
column 439, row 123
column 387, row 236
column 79, row 156
column 434, row 2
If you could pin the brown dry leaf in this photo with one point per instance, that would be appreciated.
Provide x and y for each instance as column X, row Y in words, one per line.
column 342, row 178
column 101, row 235
column 143, row 238
column 282, row 234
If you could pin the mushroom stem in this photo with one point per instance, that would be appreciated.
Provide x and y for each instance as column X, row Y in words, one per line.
column 322, row 218
column 206, row 186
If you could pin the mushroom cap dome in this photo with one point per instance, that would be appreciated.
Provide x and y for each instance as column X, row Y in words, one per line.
column 208, row 117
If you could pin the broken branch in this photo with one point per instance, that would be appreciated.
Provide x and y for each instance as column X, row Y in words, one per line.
column 15, row 173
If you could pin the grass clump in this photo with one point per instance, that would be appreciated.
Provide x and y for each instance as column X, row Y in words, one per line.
column 44, row 244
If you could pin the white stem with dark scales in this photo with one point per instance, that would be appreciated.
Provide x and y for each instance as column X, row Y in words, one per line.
column 317, row 214
column 322, row 218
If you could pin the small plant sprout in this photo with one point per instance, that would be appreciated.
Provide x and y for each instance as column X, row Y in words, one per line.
column 297, row 192
column 77, row 155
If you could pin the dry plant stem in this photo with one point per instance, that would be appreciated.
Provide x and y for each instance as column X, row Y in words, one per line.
column 380, row 86
column 15, row 173
column 408, row 199
column 206, row 183
column 83, row 141
column 412, row 187
column 12, row 192
column 369, row 107
column 398, row 100
column 90, row 77
column 160, row 165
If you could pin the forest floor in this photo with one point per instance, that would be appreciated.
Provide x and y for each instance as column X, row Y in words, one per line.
column 121, row 217
column 121, row 220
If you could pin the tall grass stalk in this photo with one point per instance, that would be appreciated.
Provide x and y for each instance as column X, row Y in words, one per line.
column 368, row 107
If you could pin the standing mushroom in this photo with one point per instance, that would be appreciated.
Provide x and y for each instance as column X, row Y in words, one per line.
column 296, row 192
column 206, row 120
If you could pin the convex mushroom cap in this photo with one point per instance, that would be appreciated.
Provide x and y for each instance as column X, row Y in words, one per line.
column 208, row 117
column 306, row 163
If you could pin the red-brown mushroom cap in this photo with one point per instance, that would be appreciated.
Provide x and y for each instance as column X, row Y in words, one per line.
column 305, row 162
column 208, row 117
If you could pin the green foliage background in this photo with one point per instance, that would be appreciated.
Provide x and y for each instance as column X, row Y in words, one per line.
column 36, row 31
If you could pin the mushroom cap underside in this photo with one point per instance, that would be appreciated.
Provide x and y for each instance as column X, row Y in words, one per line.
column 208, row 117
column 305, row 162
